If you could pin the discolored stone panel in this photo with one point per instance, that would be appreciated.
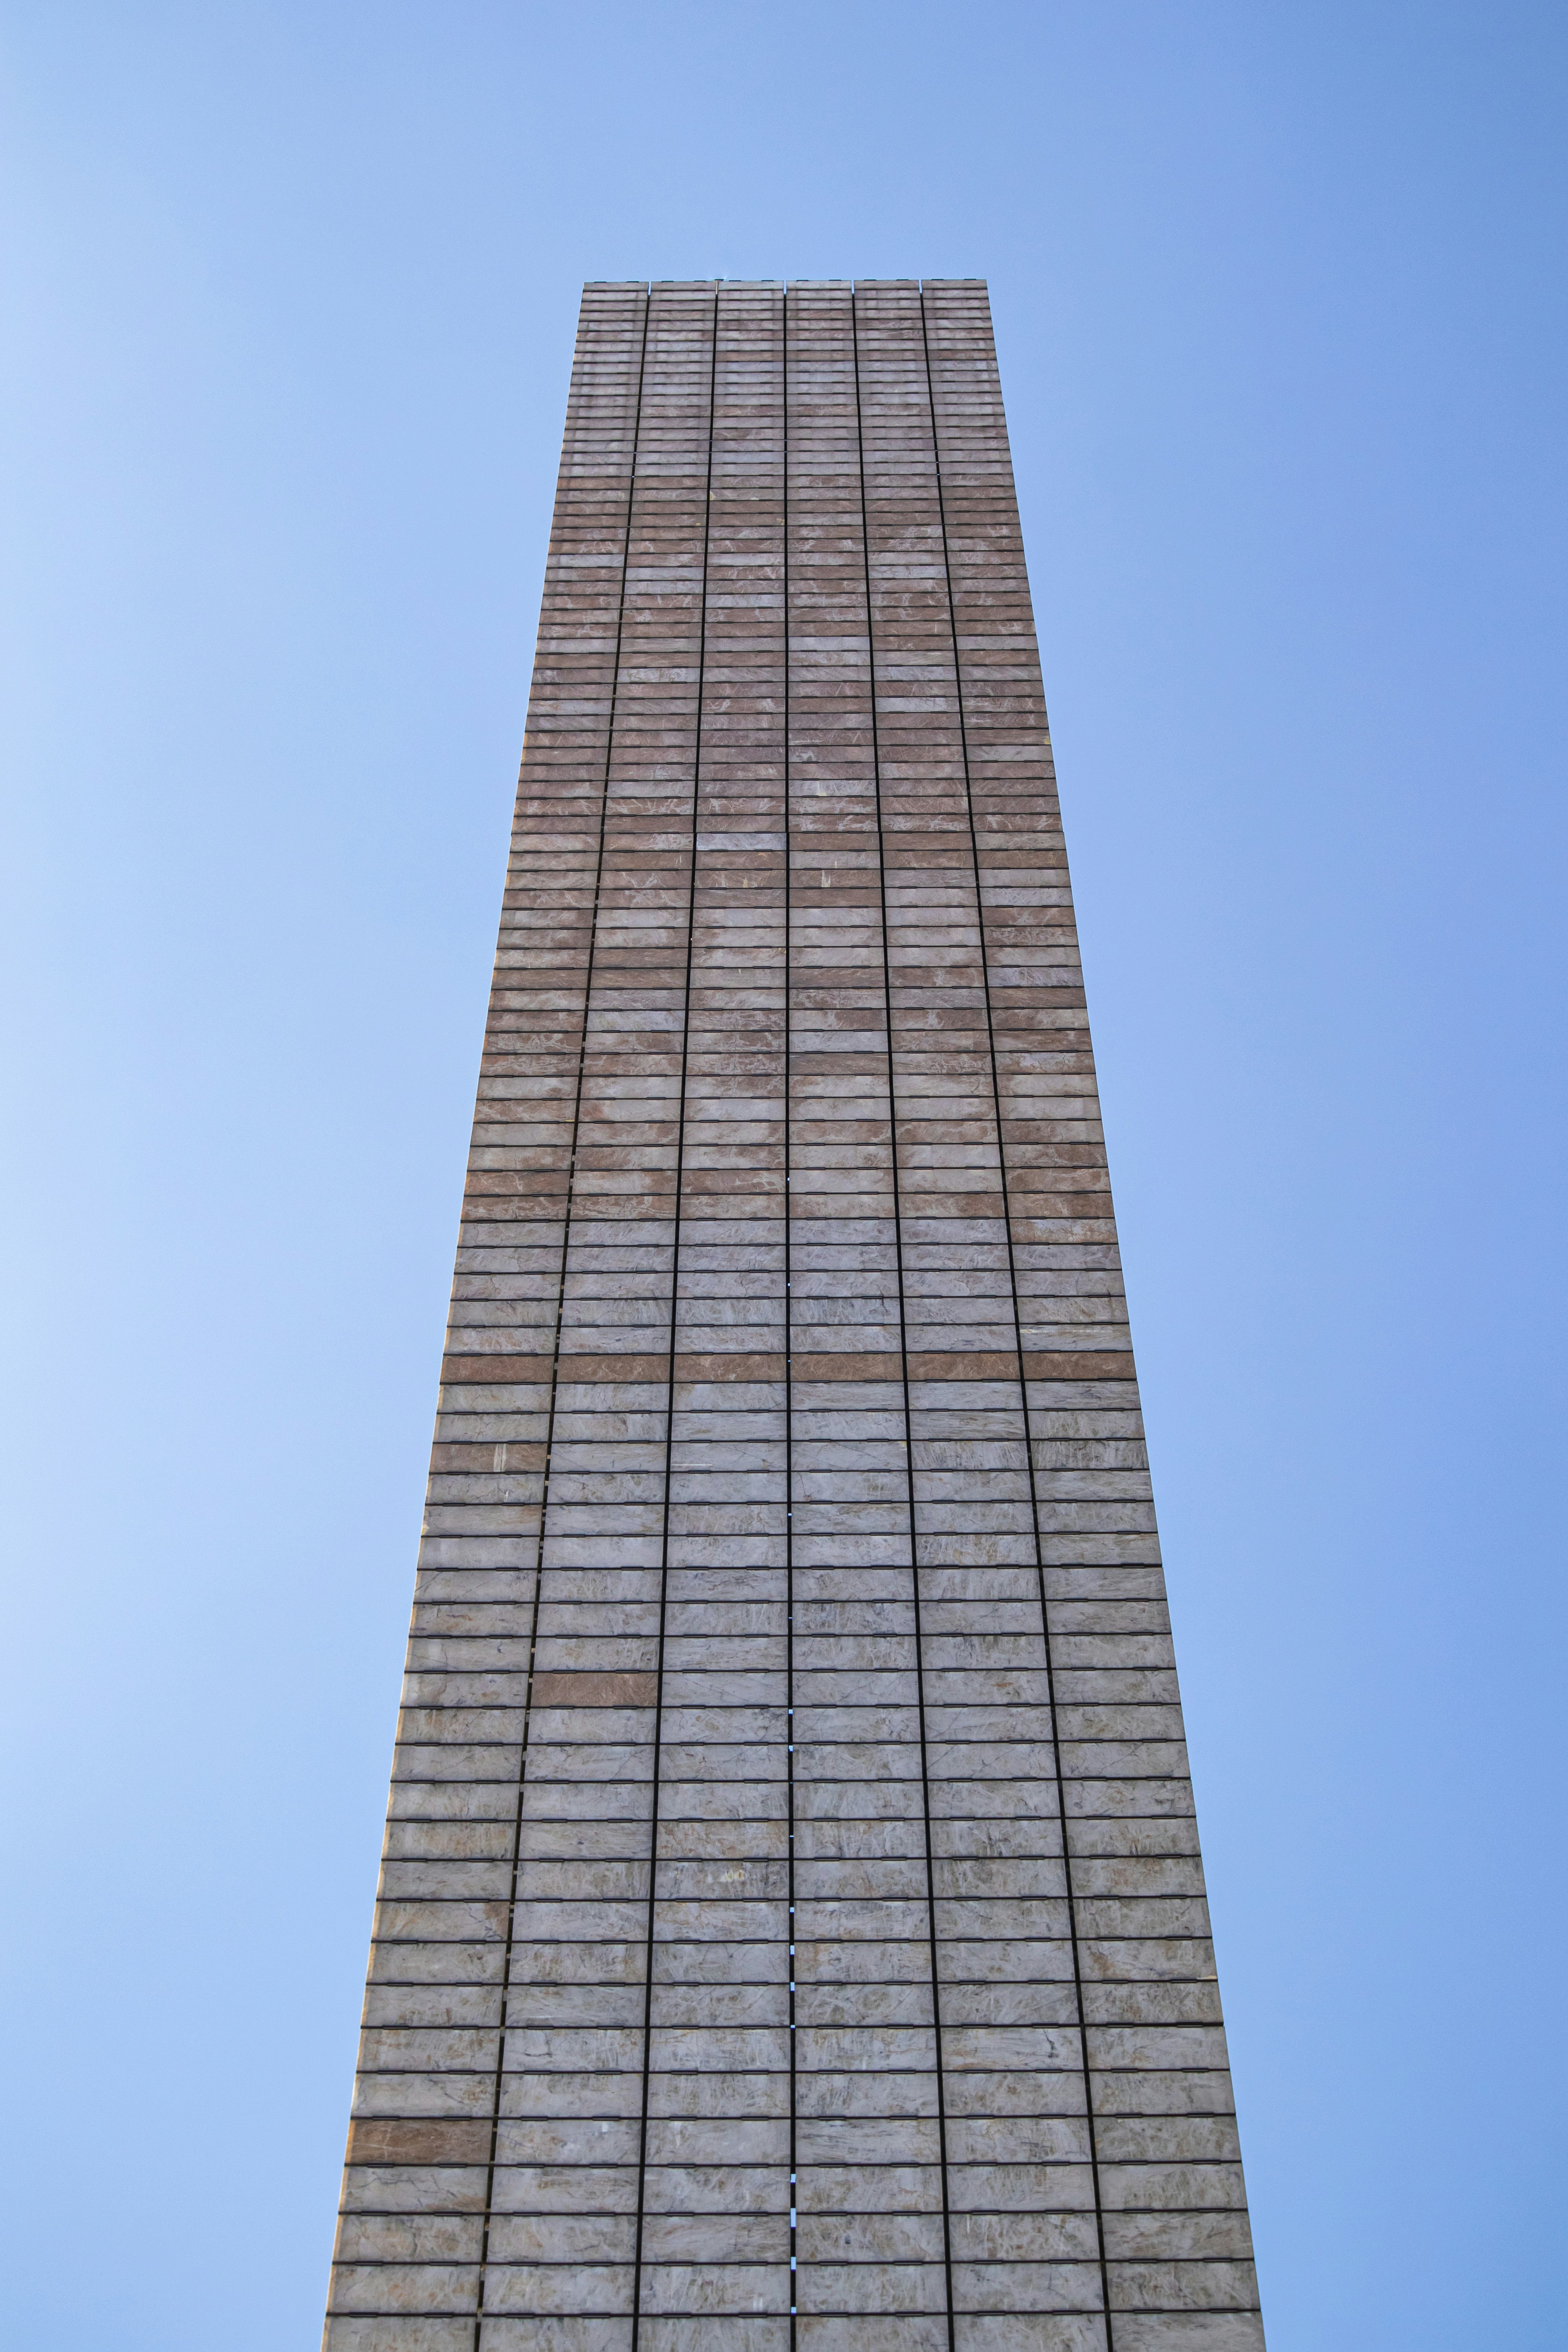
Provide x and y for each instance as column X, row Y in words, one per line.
column 792, row 1933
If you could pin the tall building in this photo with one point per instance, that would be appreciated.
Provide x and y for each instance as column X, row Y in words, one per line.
column 792, row 1933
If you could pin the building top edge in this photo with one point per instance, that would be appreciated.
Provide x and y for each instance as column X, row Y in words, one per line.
column 764, row 284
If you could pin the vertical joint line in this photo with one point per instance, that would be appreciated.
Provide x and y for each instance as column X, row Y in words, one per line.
column 1018, row 1343
column 903, row 1347
column 555, row 1354
column 789, row 1369
column 674, row 1317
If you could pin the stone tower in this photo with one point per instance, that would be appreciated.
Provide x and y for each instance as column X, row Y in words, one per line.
column 792, row 1933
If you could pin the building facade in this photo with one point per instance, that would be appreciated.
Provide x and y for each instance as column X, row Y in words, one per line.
column 792, row 1933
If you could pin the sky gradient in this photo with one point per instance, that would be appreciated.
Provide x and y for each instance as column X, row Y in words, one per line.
column 289, row 295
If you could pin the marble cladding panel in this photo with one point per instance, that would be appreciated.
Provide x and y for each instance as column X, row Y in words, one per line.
column 792, row 1932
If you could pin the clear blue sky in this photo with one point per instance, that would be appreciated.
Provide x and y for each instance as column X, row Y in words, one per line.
column 289, row 293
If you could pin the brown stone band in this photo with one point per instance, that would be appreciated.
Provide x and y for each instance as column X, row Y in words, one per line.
column 595, row 1690
column 375, row 2139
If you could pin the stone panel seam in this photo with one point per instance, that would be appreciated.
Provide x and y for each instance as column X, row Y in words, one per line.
column 904, row 1351
column 674, row 1335
column 556, row 1356
column 1019, row 1337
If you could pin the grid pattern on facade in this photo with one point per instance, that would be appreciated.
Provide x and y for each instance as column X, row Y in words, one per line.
column 792, row 1934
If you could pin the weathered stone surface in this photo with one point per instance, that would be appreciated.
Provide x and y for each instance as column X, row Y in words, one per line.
column 792, row 1933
